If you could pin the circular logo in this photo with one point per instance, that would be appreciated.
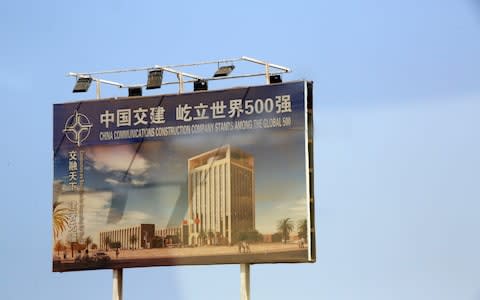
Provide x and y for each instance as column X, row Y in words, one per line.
column 77, row 128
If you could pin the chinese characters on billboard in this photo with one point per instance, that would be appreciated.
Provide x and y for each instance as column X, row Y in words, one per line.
column 201, row 178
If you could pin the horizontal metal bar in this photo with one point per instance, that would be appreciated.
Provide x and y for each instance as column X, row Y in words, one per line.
column 254, row 60
column 207, row 79
column 221, row 61
column 243, row 76
column 120, row 85
column 178, row 72
column 139, row 69
column 113, row 71
column 287, row 70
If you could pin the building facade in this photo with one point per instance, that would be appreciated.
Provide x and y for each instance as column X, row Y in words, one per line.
column 221, row 201
column 169, row 231
column 143, row 235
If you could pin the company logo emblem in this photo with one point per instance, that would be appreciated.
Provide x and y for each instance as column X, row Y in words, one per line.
column 77, row 128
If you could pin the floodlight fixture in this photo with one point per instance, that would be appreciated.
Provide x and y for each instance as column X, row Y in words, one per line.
column 82, row 84
column 155, row 78
column 275, row 79
column 134, row 91
column 224, row 71
column 200, row 85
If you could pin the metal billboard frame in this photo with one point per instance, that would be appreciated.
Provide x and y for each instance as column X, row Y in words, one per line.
column 183, row 77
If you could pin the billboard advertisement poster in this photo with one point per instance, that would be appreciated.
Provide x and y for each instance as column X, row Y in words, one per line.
column 211, row 177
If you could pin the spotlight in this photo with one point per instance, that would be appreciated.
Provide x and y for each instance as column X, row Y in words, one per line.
column 224, row 71
column 275, row 79
column 155, row 78
column 134, row 91
column 200, row 85
column 82, row 84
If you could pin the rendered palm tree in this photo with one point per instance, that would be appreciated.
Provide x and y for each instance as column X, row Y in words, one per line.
column 211, row 235
column 133, row 240
column 59, row 247
column 218, row 238
column 88, row 241
column 302, row 229
column 107, row 242
column 202, row 236
column 285, row 226
column 60, row 218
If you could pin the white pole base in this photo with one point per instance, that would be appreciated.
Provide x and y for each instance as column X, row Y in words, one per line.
column 244, row 281
column 117, row 284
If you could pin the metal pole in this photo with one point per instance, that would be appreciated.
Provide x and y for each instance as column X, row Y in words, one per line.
column 180, row 83
column 244, row 281
column 98, row 89
column 267, row 73
column 117, row 284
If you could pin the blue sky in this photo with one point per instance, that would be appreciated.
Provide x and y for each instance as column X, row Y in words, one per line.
column 397, row 91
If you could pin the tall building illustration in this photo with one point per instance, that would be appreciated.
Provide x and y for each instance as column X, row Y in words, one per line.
column 221, row 200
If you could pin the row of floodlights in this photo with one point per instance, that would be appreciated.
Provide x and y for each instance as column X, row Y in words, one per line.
column 155, row 78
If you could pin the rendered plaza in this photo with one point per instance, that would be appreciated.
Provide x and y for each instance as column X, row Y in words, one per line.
column 221, row 204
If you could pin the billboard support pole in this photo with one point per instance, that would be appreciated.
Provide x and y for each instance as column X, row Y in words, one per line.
column 244, row 281
column 117, row 284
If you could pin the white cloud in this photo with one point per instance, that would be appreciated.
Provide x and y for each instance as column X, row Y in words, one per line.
column 295, row 209
column 112, row 181
column 137, row 182
column 235, row 139
column 95, row 213
column 134, row 182
column 117, row 158
column 133, row 217
column 298, row 208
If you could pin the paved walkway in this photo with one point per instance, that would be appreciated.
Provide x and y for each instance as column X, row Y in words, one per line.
column 202, row 251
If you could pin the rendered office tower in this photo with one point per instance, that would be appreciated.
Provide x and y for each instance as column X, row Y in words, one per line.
column 221, row 201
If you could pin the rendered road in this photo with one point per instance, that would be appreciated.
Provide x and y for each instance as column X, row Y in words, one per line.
column 265, row 253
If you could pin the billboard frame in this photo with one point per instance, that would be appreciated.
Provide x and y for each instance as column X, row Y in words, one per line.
column 244, row 267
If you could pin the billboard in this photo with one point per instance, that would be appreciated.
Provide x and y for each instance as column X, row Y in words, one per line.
column 211, row 177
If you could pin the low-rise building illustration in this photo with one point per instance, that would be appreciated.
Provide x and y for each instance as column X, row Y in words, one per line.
column 142, row 233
